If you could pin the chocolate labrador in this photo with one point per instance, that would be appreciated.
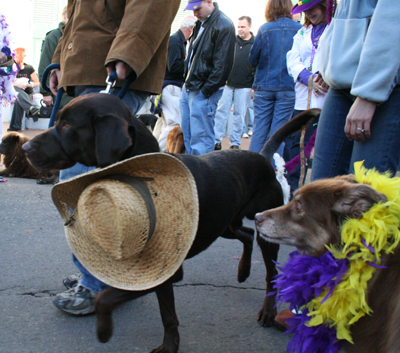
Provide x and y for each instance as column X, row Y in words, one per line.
column 313, row 220
column 99, row 130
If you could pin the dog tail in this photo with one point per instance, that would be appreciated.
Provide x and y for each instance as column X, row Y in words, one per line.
column 286, row 130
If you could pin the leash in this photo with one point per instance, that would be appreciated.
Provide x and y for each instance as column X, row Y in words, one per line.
column 110, row 81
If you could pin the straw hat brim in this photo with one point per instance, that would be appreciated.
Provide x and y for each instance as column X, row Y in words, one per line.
column 174, row 193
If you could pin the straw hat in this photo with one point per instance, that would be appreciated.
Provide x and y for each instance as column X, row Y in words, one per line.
column 131, row 224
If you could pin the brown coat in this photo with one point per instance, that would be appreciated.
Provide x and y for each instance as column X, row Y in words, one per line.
column 100, row 32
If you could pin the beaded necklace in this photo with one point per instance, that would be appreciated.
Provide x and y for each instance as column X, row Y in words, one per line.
column 314, row 42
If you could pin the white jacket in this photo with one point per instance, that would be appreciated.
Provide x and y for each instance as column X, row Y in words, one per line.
column 298, row 59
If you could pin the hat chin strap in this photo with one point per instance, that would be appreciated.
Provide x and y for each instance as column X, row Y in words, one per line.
column 138, row 184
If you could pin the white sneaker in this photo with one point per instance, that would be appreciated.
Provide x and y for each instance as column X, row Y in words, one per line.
column 245, row 136
column 250, row 132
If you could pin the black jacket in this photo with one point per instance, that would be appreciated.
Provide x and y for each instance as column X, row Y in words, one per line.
column 174, row 72
column 213, row 53
column 242, row 74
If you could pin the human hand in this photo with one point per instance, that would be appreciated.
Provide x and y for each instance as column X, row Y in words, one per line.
column 54, row 79
column 252, row 94
column 48, row 100
column 122, row 68
column 319, row 86
column 3, row 57
column 358, row 121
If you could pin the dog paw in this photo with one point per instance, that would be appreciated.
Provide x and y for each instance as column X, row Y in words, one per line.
column 266, row 315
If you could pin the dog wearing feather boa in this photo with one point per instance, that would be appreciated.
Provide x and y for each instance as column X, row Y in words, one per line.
column 344, row 280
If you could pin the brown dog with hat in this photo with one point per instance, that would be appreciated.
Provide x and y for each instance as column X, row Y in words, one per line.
column 126, row 224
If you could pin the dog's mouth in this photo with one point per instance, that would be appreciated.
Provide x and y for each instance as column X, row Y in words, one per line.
column 277, row 239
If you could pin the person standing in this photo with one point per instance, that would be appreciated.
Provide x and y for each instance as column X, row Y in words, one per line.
column 207, row 67
column 274, row 95
column 125, row 40
column 173, row 80
column 303, row 63
column 360, row 61
column 49, row 46
column 238, row 88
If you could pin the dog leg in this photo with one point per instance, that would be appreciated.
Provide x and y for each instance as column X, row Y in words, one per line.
column 270, row 253
column 106, row 301
column 166, row 301
column 246, row 236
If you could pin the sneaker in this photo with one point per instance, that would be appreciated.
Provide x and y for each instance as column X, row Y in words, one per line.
column 72, row 280
column 234, row 148
column 217, row 147
column 246, row 136
column 76, row 301
column 250, row 132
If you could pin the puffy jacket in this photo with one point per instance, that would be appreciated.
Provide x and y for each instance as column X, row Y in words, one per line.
column 360, row 51
column 211, row 54
column 101, row 32
column 273, row 41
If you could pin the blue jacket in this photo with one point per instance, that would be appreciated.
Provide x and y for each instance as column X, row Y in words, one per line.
column 273, row 41
column 360, row 50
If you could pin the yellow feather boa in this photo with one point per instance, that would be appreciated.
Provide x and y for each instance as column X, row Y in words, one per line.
column 377, row 229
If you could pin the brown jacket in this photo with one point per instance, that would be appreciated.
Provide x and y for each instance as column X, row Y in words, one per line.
column 100, row 32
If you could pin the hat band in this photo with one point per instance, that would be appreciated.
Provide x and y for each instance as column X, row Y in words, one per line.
column 141, row 187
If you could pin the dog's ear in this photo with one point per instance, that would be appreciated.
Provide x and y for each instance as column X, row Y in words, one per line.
column 108, row 148
column 355, row 199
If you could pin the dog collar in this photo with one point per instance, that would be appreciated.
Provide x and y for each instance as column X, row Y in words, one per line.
column 330, row 290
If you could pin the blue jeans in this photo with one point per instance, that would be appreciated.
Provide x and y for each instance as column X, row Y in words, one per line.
column 335, row 154
column 198, row 115
column 134, row 99
column 240, row 97
column 272, row 109
column 249, row 119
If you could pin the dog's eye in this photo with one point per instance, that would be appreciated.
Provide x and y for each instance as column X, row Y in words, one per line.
column 298, row 207
column 66, row 125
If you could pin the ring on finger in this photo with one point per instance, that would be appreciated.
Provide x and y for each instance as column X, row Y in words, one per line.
column 360, row 129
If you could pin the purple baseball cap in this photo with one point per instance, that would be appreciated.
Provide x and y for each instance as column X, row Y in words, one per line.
column 304, row 5
column 193, row 4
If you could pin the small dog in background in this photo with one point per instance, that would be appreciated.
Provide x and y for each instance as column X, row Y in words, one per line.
column 175, row 143
column 15, row 162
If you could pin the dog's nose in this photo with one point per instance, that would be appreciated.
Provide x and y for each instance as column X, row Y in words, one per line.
column 259, row 218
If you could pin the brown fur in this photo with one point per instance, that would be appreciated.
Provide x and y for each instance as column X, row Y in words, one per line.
column 14, row 159
column 312, row 220
column 175, row 143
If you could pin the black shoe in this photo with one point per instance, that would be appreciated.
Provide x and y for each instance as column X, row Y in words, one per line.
column 34, row 113
column 13, row 129
column 217, row 147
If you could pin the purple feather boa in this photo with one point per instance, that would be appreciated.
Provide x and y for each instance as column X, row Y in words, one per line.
column 304, row 278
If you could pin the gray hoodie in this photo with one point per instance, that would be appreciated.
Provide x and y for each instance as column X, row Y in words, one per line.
column 361, row 49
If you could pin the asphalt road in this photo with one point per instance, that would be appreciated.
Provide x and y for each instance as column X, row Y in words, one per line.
column 216, row 313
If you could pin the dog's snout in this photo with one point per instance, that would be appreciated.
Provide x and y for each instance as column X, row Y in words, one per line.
column 259, row 218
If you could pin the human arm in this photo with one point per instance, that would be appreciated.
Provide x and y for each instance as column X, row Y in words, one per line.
column 175, row 59
column 137, row 38
column 222, row 61
column 35, row 80
column 255, row 51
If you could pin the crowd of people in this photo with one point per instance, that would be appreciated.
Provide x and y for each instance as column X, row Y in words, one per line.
column 339, row 58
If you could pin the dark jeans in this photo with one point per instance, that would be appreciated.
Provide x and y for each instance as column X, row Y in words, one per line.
column 335, row 154
column 23, row 104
